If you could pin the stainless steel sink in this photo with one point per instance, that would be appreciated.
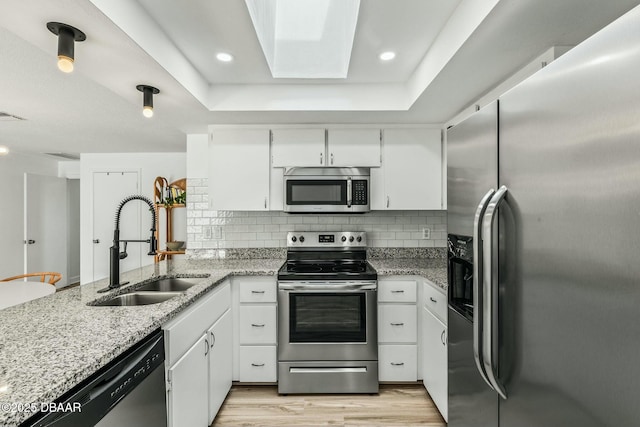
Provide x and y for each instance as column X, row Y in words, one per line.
column 138, row 298
column 167, row 284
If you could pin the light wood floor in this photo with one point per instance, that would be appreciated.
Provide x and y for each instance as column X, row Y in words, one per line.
column 261, row 406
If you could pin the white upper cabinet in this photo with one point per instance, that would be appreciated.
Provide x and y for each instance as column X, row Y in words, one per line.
column 298, row 147
column 239, row 171
column 343, row 148
column 410, row 176
column 353, row 147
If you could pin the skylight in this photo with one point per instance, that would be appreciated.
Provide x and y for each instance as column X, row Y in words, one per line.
column 306, row 39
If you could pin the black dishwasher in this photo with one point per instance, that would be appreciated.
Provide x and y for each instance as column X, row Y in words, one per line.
column 129, row 391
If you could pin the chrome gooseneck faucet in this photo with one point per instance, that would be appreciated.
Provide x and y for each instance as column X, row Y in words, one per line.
column 114, row 251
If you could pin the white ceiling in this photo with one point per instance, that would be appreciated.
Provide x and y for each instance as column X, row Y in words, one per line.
column 450, row 52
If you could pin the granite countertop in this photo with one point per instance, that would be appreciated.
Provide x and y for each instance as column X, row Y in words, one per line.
column 49, row 345
column 433, row 269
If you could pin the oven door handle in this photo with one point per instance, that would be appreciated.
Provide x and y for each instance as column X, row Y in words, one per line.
column 327, row 286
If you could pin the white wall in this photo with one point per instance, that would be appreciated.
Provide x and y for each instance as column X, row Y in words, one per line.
column 73, row 231
column 172, row 166
column 12, row 169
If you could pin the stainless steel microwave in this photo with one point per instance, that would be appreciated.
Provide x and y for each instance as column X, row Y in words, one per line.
column 326, row 190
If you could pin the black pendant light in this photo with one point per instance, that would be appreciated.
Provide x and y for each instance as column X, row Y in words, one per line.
column 67, row 35
column 147, row 98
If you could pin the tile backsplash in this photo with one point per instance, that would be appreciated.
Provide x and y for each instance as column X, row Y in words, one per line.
column 208, row 229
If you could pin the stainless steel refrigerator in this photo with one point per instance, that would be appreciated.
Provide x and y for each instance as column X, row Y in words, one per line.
column 544, row 245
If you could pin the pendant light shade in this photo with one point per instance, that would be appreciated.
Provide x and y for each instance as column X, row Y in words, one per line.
column 67, row 35
column 147, row 98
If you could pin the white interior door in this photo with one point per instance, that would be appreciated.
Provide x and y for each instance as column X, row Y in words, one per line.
column 45, row 225
column 109, row 189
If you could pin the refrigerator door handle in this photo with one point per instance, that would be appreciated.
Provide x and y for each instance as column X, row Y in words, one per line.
column 477, row 298
column 489, row 302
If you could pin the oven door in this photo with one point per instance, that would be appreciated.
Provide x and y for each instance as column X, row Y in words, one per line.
column 327, row 321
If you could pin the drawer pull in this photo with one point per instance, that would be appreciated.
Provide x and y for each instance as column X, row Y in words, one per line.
column 397, row 324
column 258, row 365
column 258, row 325
column 257, row 292
column 433, row 299
column 398, row 292
column 397, row 364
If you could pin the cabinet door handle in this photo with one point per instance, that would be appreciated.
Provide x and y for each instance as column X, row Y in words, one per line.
column 387, row 201
column 257, row 292
column 397, row 324
column 213, row 339
column 321, row 158
column 206, row 347
column 442, row 337
column 398, row 292
column 265, row 203
column 96, row 240
column 433, row 299
column 331, row 158
column 258, row 325
column 397, row 364
column 257, row 365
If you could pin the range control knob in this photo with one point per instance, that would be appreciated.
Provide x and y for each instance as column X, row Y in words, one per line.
column 301, row 239
column 343, row 238
column 351, row 238
column 293, row 238
column 359, row 238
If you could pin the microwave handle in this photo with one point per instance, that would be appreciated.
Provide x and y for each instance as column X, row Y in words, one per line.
column 349, row 191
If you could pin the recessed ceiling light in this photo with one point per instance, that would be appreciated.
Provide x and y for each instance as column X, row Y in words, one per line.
column 3, row 150
column 387, row 56
column 224, row 57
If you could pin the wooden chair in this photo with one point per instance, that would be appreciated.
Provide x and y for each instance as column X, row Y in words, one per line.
column 50, row 277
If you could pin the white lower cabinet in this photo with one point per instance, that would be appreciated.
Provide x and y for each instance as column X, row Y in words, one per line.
column 255, row 329
column 397, row 330
column 198, row 347
column 434, row 354
column 258, row 364
column 187, row 387
column 220, row 362
column 397, row 362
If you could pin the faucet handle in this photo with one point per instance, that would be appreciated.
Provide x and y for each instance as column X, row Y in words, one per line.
column 153, row 245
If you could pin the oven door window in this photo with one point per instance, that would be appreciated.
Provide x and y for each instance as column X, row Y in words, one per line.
column 316, row 192
column 327, row 317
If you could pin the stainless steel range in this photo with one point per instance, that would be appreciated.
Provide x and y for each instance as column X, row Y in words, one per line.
column 327, row 313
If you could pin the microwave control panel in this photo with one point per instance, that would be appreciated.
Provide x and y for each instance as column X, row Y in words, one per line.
column 360, row 193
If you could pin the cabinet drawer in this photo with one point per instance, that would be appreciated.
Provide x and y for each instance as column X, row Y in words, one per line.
column 181, row 332
column 258, row 363
column 435, row 300
column 398, row 362
column 397, row 291
column 397, row 323
column 257, row 324
column 257, row 290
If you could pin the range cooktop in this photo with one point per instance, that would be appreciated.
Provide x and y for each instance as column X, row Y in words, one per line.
column 326, row 256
